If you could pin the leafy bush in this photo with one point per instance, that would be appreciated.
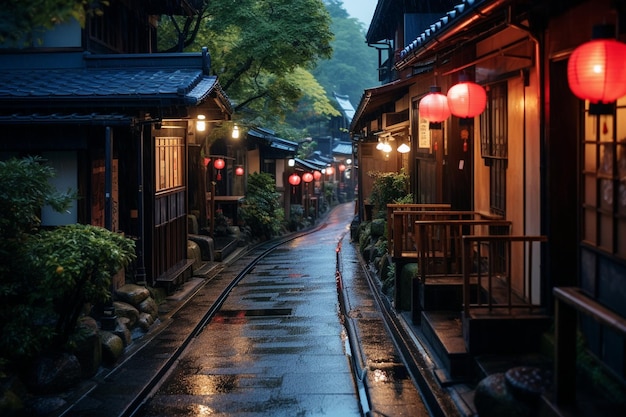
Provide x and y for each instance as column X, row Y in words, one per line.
column 75, row 264
column 389, row 187
column 261, row 211
column 47, row 276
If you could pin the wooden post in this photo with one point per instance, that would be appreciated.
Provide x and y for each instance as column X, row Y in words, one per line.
column 565, row 353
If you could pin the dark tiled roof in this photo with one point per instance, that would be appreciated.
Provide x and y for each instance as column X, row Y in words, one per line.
column 131, row 87
column 343, row 148
column 273, row 141
column 67, row 118
column 452, row 18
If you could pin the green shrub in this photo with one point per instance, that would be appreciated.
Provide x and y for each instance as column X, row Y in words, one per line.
column 47, row 277
column 261, row 210
column 387, row 188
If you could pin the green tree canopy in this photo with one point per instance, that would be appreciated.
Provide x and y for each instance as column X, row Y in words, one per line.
column 352, row 67
column 262, row 52
column 18, row 18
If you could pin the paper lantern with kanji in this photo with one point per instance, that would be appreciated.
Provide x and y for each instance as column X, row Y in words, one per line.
column 294, row 179
column 596, row 69
column 307, row 177
column 434, row 106
column 466, row 99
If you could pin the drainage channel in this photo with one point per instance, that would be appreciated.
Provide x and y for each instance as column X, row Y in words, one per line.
column 357, row 361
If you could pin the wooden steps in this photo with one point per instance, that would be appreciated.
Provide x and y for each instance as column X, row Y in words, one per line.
column 444, row 333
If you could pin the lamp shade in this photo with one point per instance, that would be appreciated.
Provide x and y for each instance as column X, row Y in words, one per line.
column 219, row 163
column 434, row 106
column 307, row 177
column 466, row 99
column 294, row 179
column 596, row 69
column 239, row 171
column 330, row 171
column 404, row 148
column 317, row 175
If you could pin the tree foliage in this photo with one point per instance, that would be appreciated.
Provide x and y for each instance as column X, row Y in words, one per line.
column 353, row 65
column 18, row 18
column 262, row 211
column 389, row 187
column 46, row 277
column 262, row 52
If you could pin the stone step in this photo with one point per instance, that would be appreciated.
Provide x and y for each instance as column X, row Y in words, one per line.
column 503, row 331
column 224, row 247
column 444, row 333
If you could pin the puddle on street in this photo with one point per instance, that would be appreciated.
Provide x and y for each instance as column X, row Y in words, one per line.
column 389, row 374
column 240, row 316
column 202, row 385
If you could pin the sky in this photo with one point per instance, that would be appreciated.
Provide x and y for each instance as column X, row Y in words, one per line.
column 361, row 9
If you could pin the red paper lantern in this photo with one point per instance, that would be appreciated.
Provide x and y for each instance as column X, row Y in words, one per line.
column 307, row 177
column 317, row 175
column 294, row 179
column 330, row 171
column 466, row 99
column 596, row 69
column 434, row 106
column 342, row 167
column 239, row 171
column 219, row 163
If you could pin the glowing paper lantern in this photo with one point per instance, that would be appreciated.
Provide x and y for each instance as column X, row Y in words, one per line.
column 307, row 177
column 294, row 179
column 239, row 171
column 466, row 99
column 434, row 106
column 595, row 70
column 317, row 175
column 219, row 163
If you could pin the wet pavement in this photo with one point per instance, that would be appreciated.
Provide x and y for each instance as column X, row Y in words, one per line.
column 279, row 346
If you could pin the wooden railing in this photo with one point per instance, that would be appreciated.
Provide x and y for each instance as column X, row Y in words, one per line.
column 439, row 244
column 400, row 218
column 569, row 302
column 488, row 262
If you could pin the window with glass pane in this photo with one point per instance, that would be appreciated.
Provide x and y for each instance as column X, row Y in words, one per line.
column 169, row 152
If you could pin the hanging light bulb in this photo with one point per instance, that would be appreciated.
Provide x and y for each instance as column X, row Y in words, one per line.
column 201, row 123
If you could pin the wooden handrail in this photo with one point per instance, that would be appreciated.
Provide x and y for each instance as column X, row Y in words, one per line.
column 439, row 242
column 393, row 207
column 574, row 297
column 473, row 245
column 569, row 302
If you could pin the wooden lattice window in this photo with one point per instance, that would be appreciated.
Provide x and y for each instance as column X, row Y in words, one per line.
column 494, row 144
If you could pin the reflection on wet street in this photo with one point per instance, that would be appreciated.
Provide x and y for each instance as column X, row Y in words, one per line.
column 277, row 347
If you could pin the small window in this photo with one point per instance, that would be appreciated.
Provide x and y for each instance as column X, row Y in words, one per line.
column 169, row 165
column 494, row 145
